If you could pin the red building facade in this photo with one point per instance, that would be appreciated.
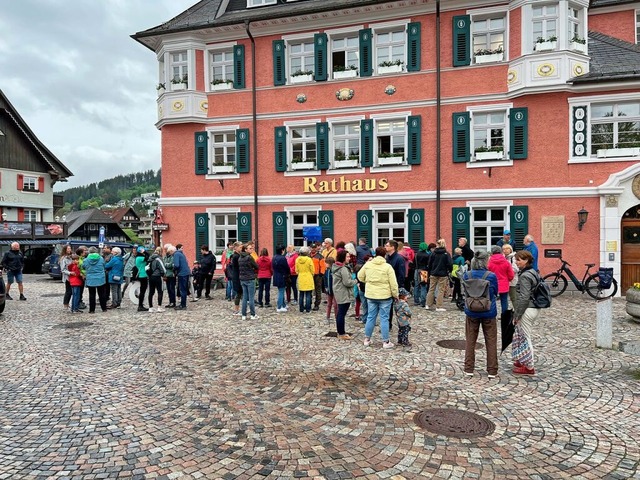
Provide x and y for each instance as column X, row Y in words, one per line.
column 412, row 119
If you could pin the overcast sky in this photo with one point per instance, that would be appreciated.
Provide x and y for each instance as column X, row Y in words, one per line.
column 84, row 87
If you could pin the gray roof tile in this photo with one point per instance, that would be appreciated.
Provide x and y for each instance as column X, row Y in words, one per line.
column 608, row 3
column 611, row 59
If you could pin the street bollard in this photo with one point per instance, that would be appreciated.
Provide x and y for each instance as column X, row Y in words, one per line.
column 604, row 317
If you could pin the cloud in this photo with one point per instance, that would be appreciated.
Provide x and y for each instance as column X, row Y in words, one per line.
column 82, row 84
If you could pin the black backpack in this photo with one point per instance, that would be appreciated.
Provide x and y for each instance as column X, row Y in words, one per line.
column 541, row 295
column 477, row 293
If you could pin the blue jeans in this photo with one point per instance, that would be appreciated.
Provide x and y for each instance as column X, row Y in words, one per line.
column 229, row 290
column 248, row 295
column 183, row 284
column 504, row 302
column 364, row 307
column 304, row 300
column 75, row 298
column 419, row 290
column 383, row 307
column 281, row 302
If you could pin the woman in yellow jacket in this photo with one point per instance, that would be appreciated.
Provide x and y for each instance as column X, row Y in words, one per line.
column 305, row 270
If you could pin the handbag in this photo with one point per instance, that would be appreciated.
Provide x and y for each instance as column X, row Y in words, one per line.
column 521, row 350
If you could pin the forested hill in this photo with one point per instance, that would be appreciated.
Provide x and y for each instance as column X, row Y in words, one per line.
column 111, row 191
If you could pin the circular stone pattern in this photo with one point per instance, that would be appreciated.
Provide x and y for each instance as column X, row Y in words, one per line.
column 453, row 423
column 456, row 344
column 73, row 325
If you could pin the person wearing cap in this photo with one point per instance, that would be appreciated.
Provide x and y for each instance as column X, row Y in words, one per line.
column 403, row 317
column 506, row 240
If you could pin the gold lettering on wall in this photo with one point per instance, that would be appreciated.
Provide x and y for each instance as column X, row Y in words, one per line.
column 343, row 184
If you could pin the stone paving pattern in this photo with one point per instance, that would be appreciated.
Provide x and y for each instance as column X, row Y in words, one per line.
column 202, row 394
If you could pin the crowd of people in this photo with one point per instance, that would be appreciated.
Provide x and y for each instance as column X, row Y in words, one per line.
column 376, row 282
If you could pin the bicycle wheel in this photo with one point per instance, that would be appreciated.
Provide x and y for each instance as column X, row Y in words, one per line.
column 557, row 283
column 592, row 286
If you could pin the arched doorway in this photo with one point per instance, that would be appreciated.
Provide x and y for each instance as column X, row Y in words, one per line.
column 630, row 248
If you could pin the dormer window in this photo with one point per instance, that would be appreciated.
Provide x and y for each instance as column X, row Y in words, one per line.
column 260, row 3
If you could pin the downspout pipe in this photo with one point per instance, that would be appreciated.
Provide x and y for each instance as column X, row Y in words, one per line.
column 438, row 121
column 254, row 143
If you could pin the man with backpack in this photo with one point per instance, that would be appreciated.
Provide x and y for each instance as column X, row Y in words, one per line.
column 480, row 288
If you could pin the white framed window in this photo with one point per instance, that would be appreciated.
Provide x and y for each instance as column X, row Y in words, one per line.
column 179, row 66
column 301, row 57
column 391, row 139
column 223, row 152
column 346, row 144
column 575, row 24
column 544, row 23
column 303, row 145
column 345, row 54
column 30, row 215
column 487, row 225
column 615, row 125
column 30, row 184
column 488, row 35
column 298, row 220
column 390, row 47
column 221, row 62
column 389, row 224
column 224, row 229
column 260, row 3
column 489, row 134
column 638, row 26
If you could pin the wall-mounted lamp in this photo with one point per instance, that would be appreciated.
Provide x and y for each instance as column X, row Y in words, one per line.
column 582, row 218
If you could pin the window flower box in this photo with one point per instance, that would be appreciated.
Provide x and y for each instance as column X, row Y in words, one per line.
column 302, row 77
column 480, row 156
column 389, row 69
column 346, row 163
column 395, row 160
column 490, row 57
column 345, row 74
column 178, row 86
column 578, row 47
column 216, row 87
column 227, row 168
column 310, row 165
column 546, row 46
column 618, row 152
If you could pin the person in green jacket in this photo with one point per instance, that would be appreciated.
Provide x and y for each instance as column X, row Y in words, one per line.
column 141, row 263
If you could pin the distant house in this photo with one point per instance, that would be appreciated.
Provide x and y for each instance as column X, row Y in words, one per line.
column 126, row 218
column 121, row 203
column 28, row 171
column 145, row 232
column 136, row 200
column 85, row 225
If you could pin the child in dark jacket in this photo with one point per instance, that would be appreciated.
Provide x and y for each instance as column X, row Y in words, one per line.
column 195, row 274
column 403, row 317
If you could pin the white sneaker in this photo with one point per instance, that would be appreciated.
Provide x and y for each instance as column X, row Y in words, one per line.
column 281, row 310
column 254, row 317
column 160, row 309
column 387, row 345
column 151, row 309
column 441, row 309
column 244, row 317
column 367, row 342
column 236, row 314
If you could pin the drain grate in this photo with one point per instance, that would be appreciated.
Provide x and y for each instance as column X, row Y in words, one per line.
column 73, row 325
column 454, row 423
column 456, row 344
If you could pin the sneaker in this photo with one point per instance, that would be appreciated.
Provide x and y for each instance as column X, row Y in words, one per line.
column 22, row 297
column 522, row 370
column 260, row 305
column 143, row 309
column 8, row 297
column 208, row 297
column 491, row 376
column 244, row 317
column 151, row 310
column 441, row 309
column 180, row 307
column 517, row 364
column 387, row 344
column 195, row 299
column 267, row 305
column 294, row 302
column 367, row 342
column 171, row 305
column 254, row 317
column 344, row 337
column 236, row 314
column 160, row 310
column 469, row 374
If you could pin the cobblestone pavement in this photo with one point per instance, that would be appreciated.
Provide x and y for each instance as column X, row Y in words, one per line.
column 202, row 394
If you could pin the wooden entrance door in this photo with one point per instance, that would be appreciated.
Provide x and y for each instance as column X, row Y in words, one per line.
column 630, row 248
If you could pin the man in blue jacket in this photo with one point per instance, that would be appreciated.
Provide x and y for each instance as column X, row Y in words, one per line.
column 487, row 319
column 182, row 272
column 531, row 247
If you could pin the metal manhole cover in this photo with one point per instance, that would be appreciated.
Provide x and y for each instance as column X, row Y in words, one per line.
column 335, row 334
column 455, row 344
column 454, row 423
column 73, row 325
column 52, row 295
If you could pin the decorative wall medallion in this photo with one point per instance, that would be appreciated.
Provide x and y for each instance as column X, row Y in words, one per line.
column 546, row 69
column 512, row 76
column 301, row 98
column 345, row 94
column 635, row 186
column 390, row 90
column 612, row 200
column 177, row 106
column 204, row 105
column 578, row 70
column 579, row 131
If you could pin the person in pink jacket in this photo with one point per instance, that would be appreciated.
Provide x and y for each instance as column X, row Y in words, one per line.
column 500, row 266
column 265, row 272
column 292, row 281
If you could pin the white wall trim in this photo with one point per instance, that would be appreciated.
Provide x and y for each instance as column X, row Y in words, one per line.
column 345, row 30
column 299, row 36
column 487, row 203
column 609, row 98
column 214, row 211
column 302, row 209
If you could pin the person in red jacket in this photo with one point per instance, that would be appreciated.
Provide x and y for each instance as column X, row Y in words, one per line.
column 76, row 282
column 503, row 270
column 265, row 272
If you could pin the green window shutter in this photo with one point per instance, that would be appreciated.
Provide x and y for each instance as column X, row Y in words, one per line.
column 202, row 146
column 322, row 144
column 415, row 140
column 325, row 219
column 279, row 230
column 244, row 227
column 366, row 143
column 461, row 40
column 519, row 217
column 238, row 66
column 461, row 137
column 518, row 133
column 278, row 63
column 413, row 47
column 320, row 56
column 281, row 149
column 365, row 226
column 202, row 232
column 242, row 150
column 416, row 227
column 461, row 222
column 366, row 53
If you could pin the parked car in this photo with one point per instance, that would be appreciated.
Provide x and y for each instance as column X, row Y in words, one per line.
column 51, row 264
column 33, row 258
